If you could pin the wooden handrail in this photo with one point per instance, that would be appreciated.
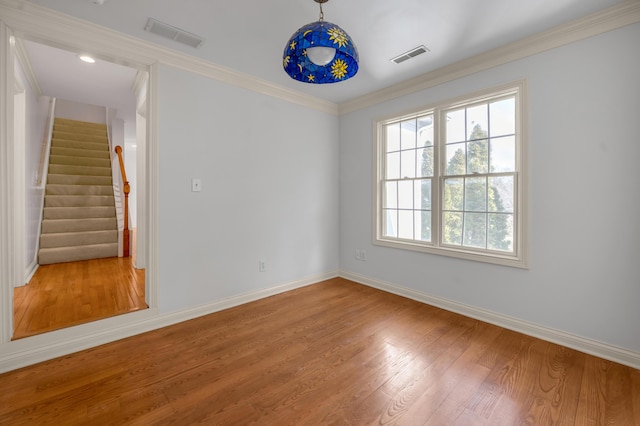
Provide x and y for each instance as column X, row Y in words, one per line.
column 126, row 190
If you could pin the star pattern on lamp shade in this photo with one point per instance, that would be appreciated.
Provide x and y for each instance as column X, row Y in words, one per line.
column 299, row 66
column 338, row 36
column 339, row 69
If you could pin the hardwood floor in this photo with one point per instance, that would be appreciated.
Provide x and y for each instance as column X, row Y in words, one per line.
column 72, row 293
column 332, row 353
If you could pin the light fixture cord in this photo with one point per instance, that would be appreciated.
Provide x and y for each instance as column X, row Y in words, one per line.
column 321, row 12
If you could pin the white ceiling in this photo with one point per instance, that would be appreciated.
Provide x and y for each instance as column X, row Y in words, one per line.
column 250, row 36
column 63, row 75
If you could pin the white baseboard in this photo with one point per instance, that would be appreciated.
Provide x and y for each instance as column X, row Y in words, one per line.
column 31, row 350
column 24, row 352
column 582, row 344
column 29, row 271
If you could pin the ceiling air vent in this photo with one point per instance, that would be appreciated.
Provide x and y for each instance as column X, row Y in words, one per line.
column 169, row 31
column 410, row 54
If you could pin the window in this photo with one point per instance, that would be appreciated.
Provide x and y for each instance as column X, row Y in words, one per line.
column 451, row 179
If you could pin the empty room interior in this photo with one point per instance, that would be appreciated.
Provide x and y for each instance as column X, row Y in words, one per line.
column 342, row 212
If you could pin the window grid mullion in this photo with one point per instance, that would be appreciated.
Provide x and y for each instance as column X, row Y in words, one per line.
column 436, row 182
column 398, row 207
column 466, row 152
column 486, row 211
column 439, row 153
column 413, row 203
column 489, row 159
column 464, row 208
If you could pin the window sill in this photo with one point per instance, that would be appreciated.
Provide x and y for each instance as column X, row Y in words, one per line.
column 491, row 258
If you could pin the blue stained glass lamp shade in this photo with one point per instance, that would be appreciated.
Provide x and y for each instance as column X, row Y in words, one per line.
column 299, row 66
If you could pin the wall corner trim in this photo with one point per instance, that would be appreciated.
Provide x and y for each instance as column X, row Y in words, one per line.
column 579, row 343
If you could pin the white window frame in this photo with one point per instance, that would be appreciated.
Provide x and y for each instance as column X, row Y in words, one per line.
column 519, row 257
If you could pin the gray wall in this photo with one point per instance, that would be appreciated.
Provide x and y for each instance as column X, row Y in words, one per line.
column 584, row 155
column 73, row 110
column 269, row 172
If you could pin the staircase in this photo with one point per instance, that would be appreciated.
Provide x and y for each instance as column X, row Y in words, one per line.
column 79, row 220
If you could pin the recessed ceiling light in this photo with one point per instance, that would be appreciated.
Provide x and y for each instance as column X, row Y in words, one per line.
column 86, row 58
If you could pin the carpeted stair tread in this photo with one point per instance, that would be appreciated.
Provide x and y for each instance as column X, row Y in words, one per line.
column 77, row 123
column 79, row 161
column 70, row 239
column 56, row 189
column 82, row 130
column 63, row 169
column 73, row 136
column 79, row 212
column 78, row 225
column 79, row 217
column 93, row 146
column 63, row 179
column 76, row 152
column 71, row 254
column 78, row 200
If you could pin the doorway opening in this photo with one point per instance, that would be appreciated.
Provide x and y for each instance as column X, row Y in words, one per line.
column 60, row 295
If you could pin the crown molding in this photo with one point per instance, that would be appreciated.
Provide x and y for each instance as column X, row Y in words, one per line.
column 23, row 58
column 37, row 23
column 140, row 82
column 618, row 16
column 44, row 25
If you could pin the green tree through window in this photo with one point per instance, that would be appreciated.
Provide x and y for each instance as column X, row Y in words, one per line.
column 473, row 205
column 427, row 170
column 450, row 179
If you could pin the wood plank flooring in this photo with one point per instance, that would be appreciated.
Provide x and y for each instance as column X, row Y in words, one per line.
column 334, row 353
column 72, row 293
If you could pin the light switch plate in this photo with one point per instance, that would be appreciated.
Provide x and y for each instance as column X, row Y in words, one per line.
column 196, row 185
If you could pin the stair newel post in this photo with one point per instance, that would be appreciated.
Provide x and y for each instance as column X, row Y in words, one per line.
column 126, row 189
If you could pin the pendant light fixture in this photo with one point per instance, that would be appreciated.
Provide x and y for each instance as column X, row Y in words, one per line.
column 320, row 53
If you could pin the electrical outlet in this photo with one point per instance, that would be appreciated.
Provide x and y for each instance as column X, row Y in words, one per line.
column 361, row 255
column 262, row 265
